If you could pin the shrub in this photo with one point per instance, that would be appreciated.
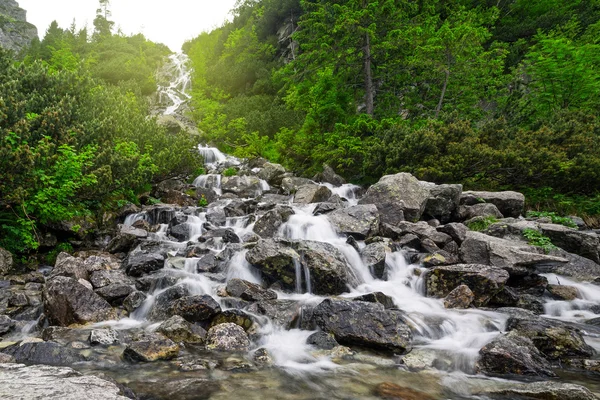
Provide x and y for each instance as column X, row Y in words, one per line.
column 536, row 238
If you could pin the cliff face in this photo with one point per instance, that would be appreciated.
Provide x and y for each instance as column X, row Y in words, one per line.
column 15, row 32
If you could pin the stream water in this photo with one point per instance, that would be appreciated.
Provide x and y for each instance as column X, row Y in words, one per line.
column 452, row 338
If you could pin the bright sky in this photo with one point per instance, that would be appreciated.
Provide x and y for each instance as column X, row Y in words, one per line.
column 170, row 22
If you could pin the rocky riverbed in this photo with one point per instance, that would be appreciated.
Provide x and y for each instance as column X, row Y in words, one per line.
column 303, row 289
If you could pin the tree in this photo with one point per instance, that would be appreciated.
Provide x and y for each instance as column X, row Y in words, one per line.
column 102, row 25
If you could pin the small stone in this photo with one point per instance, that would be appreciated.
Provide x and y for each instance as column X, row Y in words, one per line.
column 179, row 330
column 133, row 301
column 262, row 358
column 104, row 337
column 563, row 292
column 461, row 297
column 322, row 340
column 227, row 337
column 151, row 347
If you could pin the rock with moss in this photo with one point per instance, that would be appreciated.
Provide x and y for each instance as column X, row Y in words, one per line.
column 15, row 32
column 150, row 347
column 358, row 221
column 227, row 337
column 6, row 262
column 275, row 260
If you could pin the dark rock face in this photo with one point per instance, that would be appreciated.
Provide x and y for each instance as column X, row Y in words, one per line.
column 15, row 32
column 443, row 201
column 67, row 302
column 510, row 204
column 461, row 297
column 554, row 339
column 151, row 347
column 512, row 354
column 585, row 244
column 48, row 353
column 6, row 262
column 275, row 261
column 377, row 297
column 163, row 304
column 283, row 313
column 398, row 197
column 142, row 263
column 179, row 330
column 249, row 291
column 115, row 293
column 196, row 308
column 227, row 337
column 357, row 221
column 267, row 225
column 373, row 255
column 322, row 340
column 329, row 176
column 363, row 324
column 483, row 280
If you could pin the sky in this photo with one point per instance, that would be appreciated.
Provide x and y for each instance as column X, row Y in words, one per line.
column 170, row 22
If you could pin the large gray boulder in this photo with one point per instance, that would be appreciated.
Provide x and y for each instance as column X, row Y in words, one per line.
column 282, row 313
column 268, row 224
column 49, row 353
column 66, row 302
column 443, row 201
column 69, row 266
column 6, row 262
column 241, row 186
column 142, row 263
column 249, row 291
column 512, row 354
column 18, row 381
column 307, row 194
column 196, row 308
column 584, row 244
column 227, row 337
column 272, row 173
column 482, row 210
column 518, row 258
column 329, row 176
column 484, row 281
column 357, row 221
column 398, row 197
column 363, row 324
column 373, row 255
column 510, row 204
column 291, row 184
column 275, row 260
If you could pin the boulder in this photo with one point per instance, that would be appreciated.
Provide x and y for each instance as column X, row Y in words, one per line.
column 373, row 255
column 179, row 330
column 49, row 353
column 18, row 381
column 133, row 301
column 227, row 337
column 443, row 201
column 329, row 176
column 322, row 340
column 69, row 266
column 115, row 293
column 249, row 291
column 307, row 194
column 377, row 297
column 563, row 292
column 424, row 232
column 6, row 262
column 326, row 208
column 142, row 263
column 328, row 270
column 461, row 297
column 546, row 390
column 484, row 281
column 162, row 307
column 363, row 324
column 6, row 324
column 242, row 186
column 512, row 354
column 151, row 347
column 291, row 184
column 126, row 239
column 481, row 210
column 234, row 316
column 275, row 260
column 196, row 308
column 272, row 173
column 510, row 204
column 282, row 313
column 357, row 221
column 268, row 225
column 584, row 244
column 104, row 337
column 554, row 339
column 398, row 197
column 68, row 302
column 456, row 230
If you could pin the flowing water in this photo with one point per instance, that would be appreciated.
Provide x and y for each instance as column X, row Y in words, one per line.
column 452, row 337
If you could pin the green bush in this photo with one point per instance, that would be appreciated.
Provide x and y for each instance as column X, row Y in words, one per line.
column 231, row 171
column 481, row 224
column 556, row 219
column 536, row 238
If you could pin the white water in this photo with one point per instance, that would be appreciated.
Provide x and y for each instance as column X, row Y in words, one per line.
column 177, row 90
column 577, row 310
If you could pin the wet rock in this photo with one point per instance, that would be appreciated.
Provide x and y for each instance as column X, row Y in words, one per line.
column 227, row 337
column 510, row 204
column 196, row 308
column 49, row 353
column 241, row 186
column 268, row 225
column 179, row 330
column 18, row 381
column 104, row 278
column 322, row 340
column 141, row 263
column 291, row 184
column 179, row 228
column 283, row 313
column 133, row 301
column 207, row 263
column 6, row 324
column 6, row 359
column 249, row 291
column 234, row 316
column 262, row 358
column 389, row 390
column 363, row 324
column 329, row 273
column 585, row 244
column 443, row 201
column 483, row 280
column 377, row 297
column 555, row 340
column 460, row 297
column 275, row 260
column 457, row 231
column 562, row 292
column 6, row 262
column 104, row 337
column 580, row 268
column 512, row 354
column 151, row 347
column 398, row 197
column 325, row 208
column 126, row 239
column 163, row 304
column 517, row 258
column 272, row 173
column 419, row 359
column 307, row 194
column 329, row 176
column 546, row 390
column 115, row 293
column 357, row 221
column 68, row 302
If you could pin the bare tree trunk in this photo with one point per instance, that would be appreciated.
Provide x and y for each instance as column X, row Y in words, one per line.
column 368, row 76
column 439, row 106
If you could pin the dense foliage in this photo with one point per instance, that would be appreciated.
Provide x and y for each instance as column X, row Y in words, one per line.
column 493, row 94
column 76, row 136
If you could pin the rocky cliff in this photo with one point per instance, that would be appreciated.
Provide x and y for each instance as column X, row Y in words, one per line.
column 15, row 32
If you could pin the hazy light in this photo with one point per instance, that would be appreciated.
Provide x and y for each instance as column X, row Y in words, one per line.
column 169, row 22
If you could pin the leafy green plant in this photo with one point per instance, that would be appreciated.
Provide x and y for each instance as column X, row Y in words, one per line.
column 61, row 247
column 153, row 201
column 202, row 202
column 536, row 238
column 554, row 217
column 481, row 224
column 230, row 172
